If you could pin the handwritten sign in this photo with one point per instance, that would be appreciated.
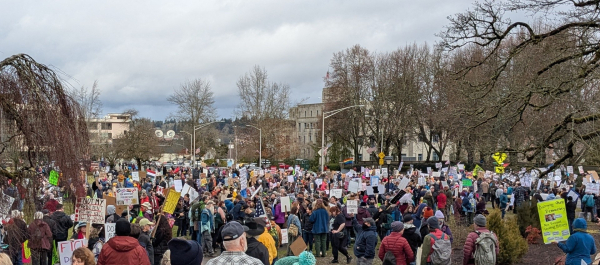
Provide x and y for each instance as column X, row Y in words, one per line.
column 66, row 248
column 127, row 196
column 593, row 188
column 109, row 231
column 135, row 176
column 284, row 236
column 352, row 206
column 171, row 202
column 580, row 169
column 467, row 182
column 353, row 186
column 285, row 204
column 553, row 220
column 6, row 203
column 336, row 193
column 53, row 179
column 90, row 210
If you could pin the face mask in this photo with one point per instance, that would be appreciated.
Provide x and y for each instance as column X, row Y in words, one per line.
column 365, row 227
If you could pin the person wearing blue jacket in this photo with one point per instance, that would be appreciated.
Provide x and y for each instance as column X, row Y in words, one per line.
column 580, row 245
column 320, row 220
column 366, row 240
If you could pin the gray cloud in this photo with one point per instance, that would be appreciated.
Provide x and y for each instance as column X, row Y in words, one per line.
column 140, row 51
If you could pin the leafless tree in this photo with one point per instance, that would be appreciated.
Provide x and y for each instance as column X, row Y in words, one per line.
column 195, row 102
column 89, row 101
column 541, row 83
column 139, row 143
column 40, row 120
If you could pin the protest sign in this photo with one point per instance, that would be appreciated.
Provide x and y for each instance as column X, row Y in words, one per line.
column 372, row 190
column 429, row 170
column 6, row 203
column 90, row 210
column 284, row 236
column 353, row 186
column 187, row 189
column 109, row 231
column 336, row 192
column 594, row 175
column 66, row 248
column 374, row 181
column 298, row 246
column 436, row 174
column 285, row 204
column 318, row 182
column 461, row 166
column 403, row 183
column 377, row 172
column 178, row 185
column 580, row 169
column 467, row 182
column 53, row 179
column 421, row 181
column 438, row 165
column 557, row 174
column 573, row 195
column 352, row 206
column 135, row 176
column 570, row 169
column 127, row 196
column 553, row 220
column 171, row 202
column 384, row 172
column 290, row 178
column 593, row 188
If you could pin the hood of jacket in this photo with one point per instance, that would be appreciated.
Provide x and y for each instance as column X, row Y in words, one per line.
column 579, row 224
column 362, row 211
column 123, row 243
column 420, row 209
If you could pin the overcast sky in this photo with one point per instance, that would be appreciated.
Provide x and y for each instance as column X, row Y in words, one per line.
column 140, row 51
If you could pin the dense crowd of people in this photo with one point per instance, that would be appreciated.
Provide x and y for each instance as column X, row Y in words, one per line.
column 242, row 217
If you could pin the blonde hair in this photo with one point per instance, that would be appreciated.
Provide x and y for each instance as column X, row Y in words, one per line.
column 38, row 216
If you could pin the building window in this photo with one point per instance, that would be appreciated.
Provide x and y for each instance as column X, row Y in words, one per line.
column 304, row 138
column 420, row 157
column 109, row 135
column 435, row 138
column 299, row 139
column 305, row 113
column 310, row 138
column 435, row 157
column 317, row 113
column 106, row 126
column 299, row 127
column 311, row 113
column 306, row 126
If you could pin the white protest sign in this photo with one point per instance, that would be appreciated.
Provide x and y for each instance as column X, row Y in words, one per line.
column 109, row 231
column 436, row 174
column 318, row 182
column 6, row 203
column 570, row 169
column 285, row 204
column 243, row 178
column 291, row 178
column 384, row 172
column 352, row 206
column 421, row 181
column 135, row 176
column 593, row 188
column 403, row 183
column 461, row 167
column 336, row 193
column 66, row 248
column 573, row 194
column 438, row 165
column 581, row 170
column 187, row 189
column 284, row 236
column 429, row 170
column 353, row 186
column 127, row 196
column 178, row 185
column 377, row 172
column 557, row 174
column 90, row 210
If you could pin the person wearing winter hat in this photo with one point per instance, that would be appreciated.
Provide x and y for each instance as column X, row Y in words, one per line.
column 428, row 212
column 428, row 241
column 580, row 245
column 305, row 258
column 122, row 247
column 397, row 244
column 185, row 252
column 480, row 230
column 112, row 214
column 411, row 233
column 443, row 226
column 255, row 248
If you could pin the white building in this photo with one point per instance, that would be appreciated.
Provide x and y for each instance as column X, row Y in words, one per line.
column 307, row 118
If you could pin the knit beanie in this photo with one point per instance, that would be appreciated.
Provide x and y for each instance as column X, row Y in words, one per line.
column 433, row 223
column 480, row 220
column 397, row 226
column 439, row 214
column 428, row 212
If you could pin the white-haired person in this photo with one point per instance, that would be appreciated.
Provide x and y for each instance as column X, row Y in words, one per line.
column 16, row 234
column 40, row 239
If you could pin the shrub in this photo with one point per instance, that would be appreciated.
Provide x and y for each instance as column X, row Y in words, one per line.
column 533, row 235
column 527, row 215
column 512, row 245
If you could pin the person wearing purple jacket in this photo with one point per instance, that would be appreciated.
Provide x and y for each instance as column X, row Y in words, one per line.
column 279, row 216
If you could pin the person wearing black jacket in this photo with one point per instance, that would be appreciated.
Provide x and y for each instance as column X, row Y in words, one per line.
column 366, row 240
column 381, row 218
column 256, row 249
column 571, row 207
column 307, row 227
column 411, row 233
column 63, row 224
column 372, row 209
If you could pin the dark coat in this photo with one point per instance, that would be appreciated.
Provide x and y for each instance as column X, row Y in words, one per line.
column 320, row 220
column 306, row 224
column 44, row 240
column 51, row 223
column 413, row 237
column 258, row 250
column 366, row 241
column 63, row 224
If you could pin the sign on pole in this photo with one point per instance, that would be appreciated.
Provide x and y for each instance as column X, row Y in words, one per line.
column 127, row 196
column 553, row 220
column 352, row 206
column 171, row 202
column 90, row 210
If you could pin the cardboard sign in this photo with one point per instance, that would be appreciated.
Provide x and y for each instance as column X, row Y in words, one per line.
column 66, row 248
column 127, row 196
column 90, row 210
column 352, row 206
column 298, row 246
column 109, row 231
column 53, row 179
column 171, row 202
column 553, row 220
column 135, row 176
column 594, row 174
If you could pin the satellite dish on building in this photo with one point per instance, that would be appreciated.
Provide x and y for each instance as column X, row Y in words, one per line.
column 158, row 133
column 170, row 133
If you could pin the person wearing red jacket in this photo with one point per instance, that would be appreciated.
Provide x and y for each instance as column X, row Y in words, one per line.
column 469, row 249
column 397, row 244
column 441, row 202
column 122, row 248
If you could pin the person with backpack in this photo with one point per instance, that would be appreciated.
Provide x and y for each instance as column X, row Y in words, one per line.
column 437, row 248
column 206, row 226
column 588, row 201
column 395, row 249
column 469, row 205
column 481, row 246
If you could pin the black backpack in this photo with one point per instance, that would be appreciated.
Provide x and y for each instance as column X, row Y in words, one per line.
column 389, row 258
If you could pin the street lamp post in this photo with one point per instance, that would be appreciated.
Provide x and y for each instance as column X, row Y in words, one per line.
column 259, row 144
column 194, row 150
column 325, row 116
column 191, row 141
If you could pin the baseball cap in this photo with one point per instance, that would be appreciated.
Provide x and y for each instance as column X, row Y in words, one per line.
column 233, row 230
column 144, row 222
